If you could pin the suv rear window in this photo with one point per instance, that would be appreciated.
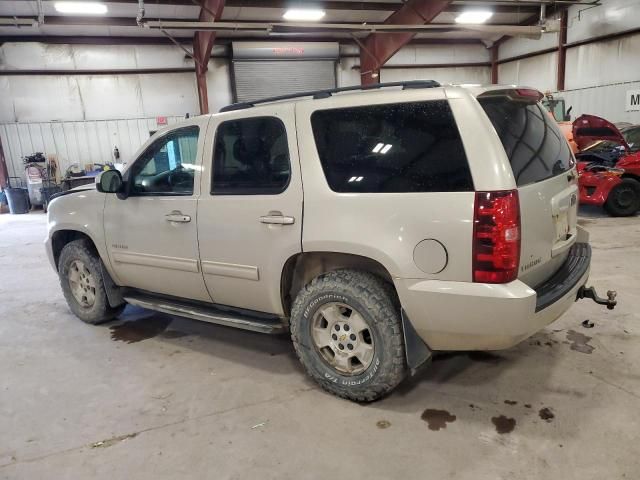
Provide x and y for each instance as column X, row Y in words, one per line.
column 536, row 148
column 404, row 147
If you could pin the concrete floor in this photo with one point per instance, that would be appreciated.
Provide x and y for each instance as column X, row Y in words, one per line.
column 173, row 398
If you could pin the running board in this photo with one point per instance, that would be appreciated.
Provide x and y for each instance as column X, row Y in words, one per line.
column 257, row 322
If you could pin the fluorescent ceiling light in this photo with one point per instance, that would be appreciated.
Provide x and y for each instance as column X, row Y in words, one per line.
column 474, row 16
column 377, row 148
column 303, row 14
column 386, row 148
column 86, row 8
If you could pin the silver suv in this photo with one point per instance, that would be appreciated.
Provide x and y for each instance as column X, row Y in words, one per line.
column 376, row 226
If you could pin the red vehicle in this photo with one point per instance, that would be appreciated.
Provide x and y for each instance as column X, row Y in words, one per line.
column 608, row 165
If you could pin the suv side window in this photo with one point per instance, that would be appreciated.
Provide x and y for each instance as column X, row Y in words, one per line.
column 403, row 147
column 167, row 167
column 251, row 157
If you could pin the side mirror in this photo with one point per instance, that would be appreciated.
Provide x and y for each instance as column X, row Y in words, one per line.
column 109, row 181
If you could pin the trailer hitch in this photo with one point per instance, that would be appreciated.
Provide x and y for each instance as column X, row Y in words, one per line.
column 590, row 292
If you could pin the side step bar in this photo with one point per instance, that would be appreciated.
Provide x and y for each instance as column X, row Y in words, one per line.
column 228, row 317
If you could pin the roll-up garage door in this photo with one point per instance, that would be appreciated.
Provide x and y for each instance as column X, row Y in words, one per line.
column 264, row 69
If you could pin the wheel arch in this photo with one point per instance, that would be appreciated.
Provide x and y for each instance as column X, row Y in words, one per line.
column 62, row 237
column 303, row 267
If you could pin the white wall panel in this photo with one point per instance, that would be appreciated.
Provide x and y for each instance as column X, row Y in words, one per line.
column 38, row 56
column 431, row 54
column 537, row 72
column 218, row 85
column 480, row 75
column 607, row 101
column 520, row 46
column 612, row 16
column 603, row 63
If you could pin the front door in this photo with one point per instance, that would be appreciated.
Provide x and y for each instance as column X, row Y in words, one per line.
column 250, row 209
column 151, row 235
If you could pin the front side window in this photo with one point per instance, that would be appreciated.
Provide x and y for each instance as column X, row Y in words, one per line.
column 404, row 147
column 251, row 157
column 168, row 166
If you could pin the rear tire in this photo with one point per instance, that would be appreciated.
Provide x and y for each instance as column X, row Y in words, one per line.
column 624, row 198
column 81, row 281
column 346, row 330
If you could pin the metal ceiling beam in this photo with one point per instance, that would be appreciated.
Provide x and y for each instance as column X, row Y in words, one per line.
column 502, row 7
column 211, row 11
column 377, row 49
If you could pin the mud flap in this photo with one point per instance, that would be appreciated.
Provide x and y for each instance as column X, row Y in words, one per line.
column 416, row 351
column 114, row 292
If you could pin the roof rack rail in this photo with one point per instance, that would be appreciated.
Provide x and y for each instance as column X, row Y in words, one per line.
column 328, row 92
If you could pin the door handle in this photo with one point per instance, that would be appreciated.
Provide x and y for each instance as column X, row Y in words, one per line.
column 277, row 219
column 177, row 216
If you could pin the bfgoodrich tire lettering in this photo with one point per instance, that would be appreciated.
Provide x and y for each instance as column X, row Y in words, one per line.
column 366, row 294
column 79, row 271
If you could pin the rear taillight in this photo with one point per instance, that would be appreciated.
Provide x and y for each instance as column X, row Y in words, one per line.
column 496, row 237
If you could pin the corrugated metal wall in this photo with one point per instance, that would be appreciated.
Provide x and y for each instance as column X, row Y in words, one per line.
column 79, row 143
column 537, row 72
column 605, row 101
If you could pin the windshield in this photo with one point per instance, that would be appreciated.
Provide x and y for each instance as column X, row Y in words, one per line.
column 632, row 137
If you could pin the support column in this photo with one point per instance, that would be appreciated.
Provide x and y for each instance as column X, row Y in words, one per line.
column 494, row 63
column 203, row 41
column 4, row 172
column 378, row 48
column 562, row 49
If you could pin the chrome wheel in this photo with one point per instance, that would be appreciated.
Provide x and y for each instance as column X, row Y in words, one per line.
column 82, row 284
column 343, row 338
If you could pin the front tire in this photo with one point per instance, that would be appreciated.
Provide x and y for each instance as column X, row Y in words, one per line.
column 346, row 330
column 624, row 198
column 81, row 281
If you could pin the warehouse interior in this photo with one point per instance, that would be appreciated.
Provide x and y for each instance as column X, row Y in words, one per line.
column 84, row 85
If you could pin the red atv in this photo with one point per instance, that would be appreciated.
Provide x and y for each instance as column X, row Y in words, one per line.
column 608, row 165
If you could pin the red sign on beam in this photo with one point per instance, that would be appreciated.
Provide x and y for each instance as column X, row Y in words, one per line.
column 161, row 121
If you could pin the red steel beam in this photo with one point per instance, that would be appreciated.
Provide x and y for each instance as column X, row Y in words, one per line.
column 562, row 49
column 4, row 173
column 377, row 48
column 494, row 63
column 211, row 11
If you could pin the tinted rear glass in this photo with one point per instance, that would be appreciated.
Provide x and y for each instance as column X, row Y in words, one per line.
column 405, row 147
column 534, row 144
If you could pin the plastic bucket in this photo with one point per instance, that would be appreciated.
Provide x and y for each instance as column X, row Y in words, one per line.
column 18, row 200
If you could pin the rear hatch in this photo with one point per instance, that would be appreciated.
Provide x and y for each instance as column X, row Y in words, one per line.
column 544, row 170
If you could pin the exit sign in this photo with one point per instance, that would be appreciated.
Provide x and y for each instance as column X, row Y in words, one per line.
column 632, row 100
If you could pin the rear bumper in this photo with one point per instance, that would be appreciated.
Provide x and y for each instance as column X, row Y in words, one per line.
column 477, row 316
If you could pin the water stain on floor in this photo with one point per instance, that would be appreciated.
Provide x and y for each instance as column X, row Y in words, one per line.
column 437, row 419
column 138, row 330
column 511, row 402
column 504, row 424
column 546, row 414
column 579, row 342
column 382, row 424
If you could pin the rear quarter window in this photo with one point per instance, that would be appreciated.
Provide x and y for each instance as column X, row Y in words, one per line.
column 536, row 148
column 404, row 147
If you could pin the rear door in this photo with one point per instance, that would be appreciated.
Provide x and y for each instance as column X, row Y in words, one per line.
column 250, row 210
column 545, row 175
